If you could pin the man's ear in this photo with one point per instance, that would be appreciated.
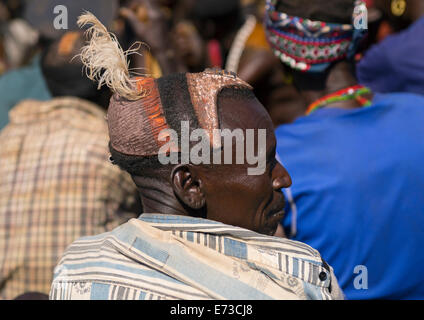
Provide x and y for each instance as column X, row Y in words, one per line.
column 187, row 186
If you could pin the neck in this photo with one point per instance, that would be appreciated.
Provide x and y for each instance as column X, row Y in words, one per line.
column 340, row 77
column 158, row 197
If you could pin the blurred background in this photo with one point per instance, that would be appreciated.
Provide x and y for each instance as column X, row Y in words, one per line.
column 178, row 35
column 57, row 182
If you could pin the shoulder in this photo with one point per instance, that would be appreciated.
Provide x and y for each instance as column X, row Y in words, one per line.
column 86, row 254
column 297, row 265
column 98, row 268
column 402, row 100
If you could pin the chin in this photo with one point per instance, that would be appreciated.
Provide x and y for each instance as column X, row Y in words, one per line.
column 269, row 230
column 272, row 221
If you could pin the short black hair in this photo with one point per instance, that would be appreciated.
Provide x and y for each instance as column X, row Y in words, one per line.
column 137, row 165
column 335, row 11
column 216, row 9
column 176, row 101
column 64, row 75
column 236, row 93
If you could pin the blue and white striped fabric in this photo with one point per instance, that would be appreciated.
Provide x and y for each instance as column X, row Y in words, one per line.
column 175, row 257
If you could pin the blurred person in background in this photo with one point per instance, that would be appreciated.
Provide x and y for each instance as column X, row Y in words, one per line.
column 56, row 181
column 210, row 34
column 25, row 79
column 20, row 74
column 19, row 39
column 355, row 156
column 396, row 64
column 153, row 23
column 20, row 84
column 235, row 41
column 4, row 16
column 233, row 38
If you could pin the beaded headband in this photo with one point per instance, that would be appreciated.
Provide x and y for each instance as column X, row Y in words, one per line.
column 311, row 46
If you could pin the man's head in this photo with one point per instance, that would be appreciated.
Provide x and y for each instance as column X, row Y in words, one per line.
column 219, row 187
column 62, row 70
column 335, row 11
column 174, row 135
column 230, row 194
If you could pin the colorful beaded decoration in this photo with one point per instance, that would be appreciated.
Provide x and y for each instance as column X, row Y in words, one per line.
column 350, row 93
column 309, row 45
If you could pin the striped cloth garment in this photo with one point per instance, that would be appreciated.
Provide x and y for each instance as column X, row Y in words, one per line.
column 175, row 257
column 56, row 185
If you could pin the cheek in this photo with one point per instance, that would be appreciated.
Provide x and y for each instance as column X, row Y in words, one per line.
column 240, row 202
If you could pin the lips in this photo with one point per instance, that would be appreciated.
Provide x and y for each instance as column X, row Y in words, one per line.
column 275, row 215
column 272, row 222
column 278, row 214
column 278, row 209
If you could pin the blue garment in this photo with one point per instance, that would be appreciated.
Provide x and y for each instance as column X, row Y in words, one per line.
column 397, row 63
column 19, row 85
column 358, row 191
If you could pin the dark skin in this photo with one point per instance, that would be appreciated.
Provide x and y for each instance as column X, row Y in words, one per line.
column 224, row 193
column 255, row 64
column 151, row 27
column 272, row 84
column 339, row 77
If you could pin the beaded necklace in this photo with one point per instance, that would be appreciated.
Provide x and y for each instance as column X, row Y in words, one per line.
column 350, row 93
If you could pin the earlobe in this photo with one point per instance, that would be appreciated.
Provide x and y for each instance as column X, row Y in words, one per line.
column 188, row 187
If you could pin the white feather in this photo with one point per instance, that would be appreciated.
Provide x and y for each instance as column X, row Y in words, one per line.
column 105, row 61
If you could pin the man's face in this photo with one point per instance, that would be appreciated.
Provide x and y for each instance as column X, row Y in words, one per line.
column 233, row 197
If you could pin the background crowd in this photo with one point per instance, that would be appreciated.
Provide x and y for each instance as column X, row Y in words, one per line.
column 357, row 193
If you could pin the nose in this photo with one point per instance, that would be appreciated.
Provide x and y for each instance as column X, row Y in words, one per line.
column 280, row 177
